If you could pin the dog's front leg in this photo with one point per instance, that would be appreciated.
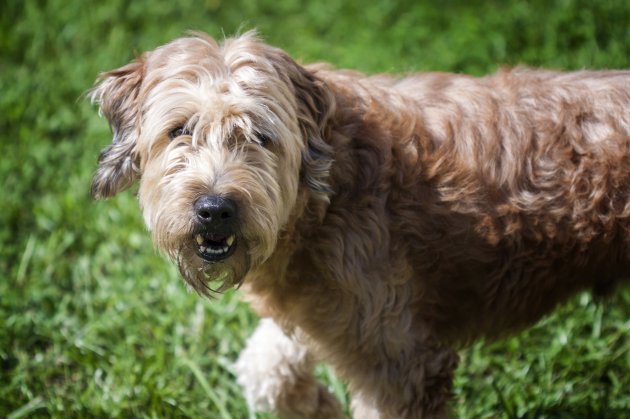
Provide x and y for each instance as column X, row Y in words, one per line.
column 275, row 372
column 413, row 386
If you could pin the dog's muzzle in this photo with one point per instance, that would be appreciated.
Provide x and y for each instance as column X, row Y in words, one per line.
column 216, row 217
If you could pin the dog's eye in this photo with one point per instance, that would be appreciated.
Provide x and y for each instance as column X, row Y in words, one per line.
column 178, row 132
column 263, row 139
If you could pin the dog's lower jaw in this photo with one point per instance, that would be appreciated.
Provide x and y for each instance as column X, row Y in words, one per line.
column 215, row 248
column 206, row 277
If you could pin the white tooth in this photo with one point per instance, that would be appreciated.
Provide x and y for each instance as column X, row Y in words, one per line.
column 225, row 249
column 199, row 239
column 230, row 241
column 203, row 249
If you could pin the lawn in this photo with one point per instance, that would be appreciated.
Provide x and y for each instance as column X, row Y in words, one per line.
column 94, row 323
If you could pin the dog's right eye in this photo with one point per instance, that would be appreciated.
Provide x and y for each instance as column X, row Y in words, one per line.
column 178, row 132
column 263, row 139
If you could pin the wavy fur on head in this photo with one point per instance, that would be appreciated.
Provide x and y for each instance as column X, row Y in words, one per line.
column 227, row 98
column 382, row 222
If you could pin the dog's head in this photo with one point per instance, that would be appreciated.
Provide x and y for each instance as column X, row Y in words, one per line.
column 222, row 139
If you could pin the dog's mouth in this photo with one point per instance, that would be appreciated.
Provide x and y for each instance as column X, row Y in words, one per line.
column 215, row 247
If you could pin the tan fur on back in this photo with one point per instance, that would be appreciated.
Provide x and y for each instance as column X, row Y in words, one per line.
column 383, row 222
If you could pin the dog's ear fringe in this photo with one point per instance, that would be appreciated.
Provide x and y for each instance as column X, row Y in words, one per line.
column 316, row 105
column 117, row 93
column 116, row 172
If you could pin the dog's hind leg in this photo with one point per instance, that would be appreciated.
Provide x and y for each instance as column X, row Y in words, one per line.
column 275, row 372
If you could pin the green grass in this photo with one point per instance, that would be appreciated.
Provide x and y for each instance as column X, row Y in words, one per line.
column 93, row 323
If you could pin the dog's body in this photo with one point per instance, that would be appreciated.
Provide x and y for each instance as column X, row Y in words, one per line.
column 379, row 222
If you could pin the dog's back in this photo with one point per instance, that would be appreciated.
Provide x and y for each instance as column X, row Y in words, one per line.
column 509, row 192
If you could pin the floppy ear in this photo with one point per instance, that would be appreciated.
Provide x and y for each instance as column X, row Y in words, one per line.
column 315, row 103
column 315, row 106
column 117, row 95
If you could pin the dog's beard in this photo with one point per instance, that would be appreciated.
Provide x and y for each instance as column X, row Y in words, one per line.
column 207, row 278
column 178, row 242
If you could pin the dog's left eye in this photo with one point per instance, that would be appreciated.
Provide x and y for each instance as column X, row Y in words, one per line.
column 178, row 132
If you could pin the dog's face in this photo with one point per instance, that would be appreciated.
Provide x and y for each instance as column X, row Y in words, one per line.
column 222, row 139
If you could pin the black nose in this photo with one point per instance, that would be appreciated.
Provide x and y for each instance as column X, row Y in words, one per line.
column 215, row 211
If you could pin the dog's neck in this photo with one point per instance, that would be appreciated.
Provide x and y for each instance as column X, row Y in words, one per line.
column 358, row 179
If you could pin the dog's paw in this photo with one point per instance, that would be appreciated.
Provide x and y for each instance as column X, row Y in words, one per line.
column 275, row 373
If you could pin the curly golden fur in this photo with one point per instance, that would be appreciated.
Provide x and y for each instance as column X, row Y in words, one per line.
column 377, row 223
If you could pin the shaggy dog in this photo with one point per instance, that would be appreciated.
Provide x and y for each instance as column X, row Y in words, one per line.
column 376, row 223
